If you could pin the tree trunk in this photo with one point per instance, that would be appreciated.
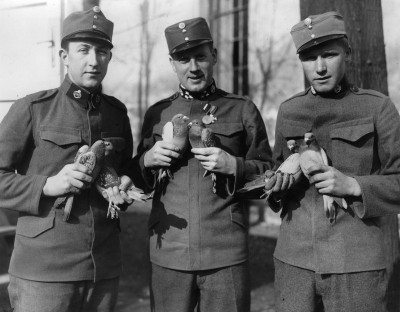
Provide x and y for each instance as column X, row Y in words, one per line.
column 363, row 19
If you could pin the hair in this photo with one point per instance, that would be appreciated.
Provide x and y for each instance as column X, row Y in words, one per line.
column 344, row 43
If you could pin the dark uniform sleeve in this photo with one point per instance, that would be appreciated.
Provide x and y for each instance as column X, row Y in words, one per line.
column 381, row 192
column 142, row 176
column 258, row 157
column 18, row 192
column 277, row 157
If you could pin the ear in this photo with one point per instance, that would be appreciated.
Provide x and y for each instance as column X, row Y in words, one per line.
column 171, row 61
column 64, row 56
column 215, row 55
column 348, row 55
column 110, row 56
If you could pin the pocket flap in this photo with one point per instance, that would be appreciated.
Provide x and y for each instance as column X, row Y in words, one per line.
column 352, row 131
column 60, row 135
column 295, row 129
column 226, row 129
column 32, row 226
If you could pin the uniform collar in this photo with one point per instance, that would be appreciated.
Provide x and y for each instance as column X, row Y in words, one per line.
column 80, row 95
column 211, row 89
column 338, row 92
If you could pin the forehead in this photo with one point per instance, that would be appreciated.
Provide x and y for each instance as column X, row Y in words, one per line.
column 331, row 45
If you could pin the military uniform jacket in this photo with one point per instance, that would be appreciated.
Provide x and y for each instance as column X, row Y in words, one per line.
column 191, row 228
column 40, row 135
column 360, row 131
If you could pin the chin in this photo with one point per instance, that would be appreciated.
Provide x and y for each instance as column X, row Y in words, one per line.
column 323, row 88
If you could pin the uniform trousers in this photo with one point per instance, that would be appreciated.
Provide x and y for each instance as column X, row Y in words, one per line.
column 216, row 290
column 80, row 296
column 302, row 290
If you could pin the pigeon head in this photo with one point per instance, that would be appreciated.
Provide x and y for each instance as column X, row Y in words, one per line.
column 309, row 138
column 292, row 145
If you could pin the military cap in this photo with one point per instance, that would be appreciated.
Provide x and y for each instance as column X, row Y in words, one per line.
column 317, row 29
column 187, row 34
column 90, row 24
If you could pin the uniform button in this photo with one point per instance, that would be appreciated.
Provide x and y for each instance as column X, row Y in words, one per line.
column 94, row 26
column 183, row 30
column 95, row 17
column 186, row 38
column 96, row 9
column 312, row 35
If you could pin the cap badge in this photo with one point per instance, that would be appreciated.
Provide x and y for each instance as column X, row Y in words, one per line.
column 96, row 9
column 181, row 25
column 77, row 94
column 307, row 21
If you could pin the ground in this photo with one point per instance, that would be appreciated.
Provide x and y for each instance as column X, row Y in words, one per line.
column 134, row 291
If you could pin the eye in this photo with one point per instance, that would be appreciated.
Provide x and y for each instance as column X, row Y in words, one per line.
column 83, row 50
column 183, row 60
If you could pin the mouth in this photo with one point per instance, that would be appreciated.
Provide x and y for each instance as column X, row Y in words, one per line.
column 94, row 73
column 196, row 78
column 322, row 79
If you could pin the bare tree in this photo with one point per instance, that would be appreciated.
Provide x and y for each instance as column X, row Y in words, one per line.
column 368, row 70
column 146, row 51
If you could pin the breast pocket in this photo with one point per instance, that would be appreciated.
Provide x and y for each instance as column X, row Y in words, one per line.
column 353, row 146
column 230, row 137
column 58, row 142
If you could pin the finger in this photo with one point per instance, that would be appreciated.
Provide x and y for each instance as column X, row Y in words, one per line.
column 285, row 181
column 85, row 178
column 75, row 184
column 126, row 198
column 270, row 183
column 81, row 168
column 74, row 190
column 269, row 173
column 126, row 183
column 205, row 150
column 201, row 157
column 167, row 146
column 291, row 181
column 278, row 184
column 318, row 168
column 115, row 196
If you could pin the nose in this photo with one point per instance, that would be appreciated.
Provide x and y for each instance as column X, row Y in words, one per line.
column 193, row 65
column 320, row 65
column 93, row 58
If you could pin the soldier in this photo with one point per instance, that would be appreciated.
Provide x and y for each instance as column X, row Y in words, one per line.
column 198, row 236
column 340, row 263
column 71, row 265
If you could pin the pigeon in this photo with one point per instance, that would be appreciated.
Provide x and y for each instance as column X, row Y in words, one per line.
column 104, row 175
column 175, row 132
column 93, row 158
column 312, row 154
column 107, row 178
column 200, row 137
column 291, row 174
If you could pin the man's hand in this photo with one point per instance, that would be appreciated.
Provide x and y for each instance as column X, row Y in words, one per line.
column 117, row 194
column 162, row 154
column 73, row 178
column 215, row 159
column 331, row 181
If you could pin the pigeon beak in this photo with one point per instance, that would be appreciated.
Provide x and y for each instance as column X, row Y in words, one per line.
column 190, row 124
column 185, row 118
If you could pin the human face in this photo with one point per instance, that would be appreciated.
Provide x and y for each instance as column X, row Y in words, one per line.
column 87, row 63
column 325, row 65
column 194, row 67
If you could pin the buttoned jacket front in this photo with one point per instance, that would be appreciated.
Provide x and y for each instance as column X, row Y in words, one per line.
column 40, row 135
column 360, row 132
column 190, row 227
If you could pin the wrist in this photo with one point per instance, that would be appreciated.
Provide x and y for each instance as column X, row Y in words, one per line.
column 355, row 188
column 233, row 166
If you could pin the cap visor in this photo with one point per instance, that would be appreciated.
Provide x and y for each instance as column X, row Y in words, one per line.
column 318, row 41
column 189, row 45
